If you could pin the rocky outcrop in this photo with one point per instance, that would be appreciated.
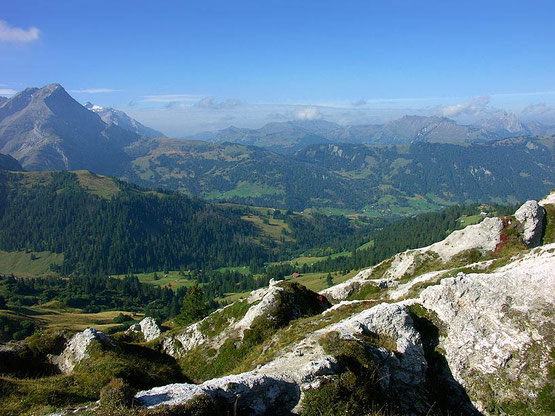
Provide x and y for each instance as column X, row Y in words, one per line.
column 148, row 327
column 495, row 330
column 531, row 216
column 76, row 349
column 498, row 327
column 278, row 386
column 280, row 303
column 483, row 236
column 548, row 200
column 185, row 340
column 252, row 393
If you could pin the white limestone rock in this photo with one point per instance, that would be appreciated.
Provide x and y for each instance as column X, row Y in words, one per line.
column 498, row 326
column 280, row 383
column 76, row 349
column 269, row 303
column 253, row 392
column 548, row 200
column 483, row 236
column 148, row 327
column 531, row 216
column 178, row 344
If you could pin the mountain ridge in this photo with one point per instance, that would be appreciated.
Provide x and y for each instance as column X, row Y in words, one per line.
column 121, row 119
column 291, row 136
column 47, row 129
column 9, row 163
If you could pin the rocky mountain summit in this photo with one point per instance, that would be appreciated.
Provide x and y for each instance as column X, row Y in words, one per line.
column 111, row 116
column 46, row 129
column 290, row 136
column 463, row 326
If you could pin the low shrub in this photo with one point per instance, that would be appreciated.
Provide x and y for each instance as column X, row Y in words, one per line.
column 355, row 391
column 117, row 393
column 122, row 317
column 139, row 366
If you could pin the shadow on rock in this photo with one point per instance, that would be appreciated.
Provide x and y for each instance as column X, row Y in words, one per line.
column 446, row 395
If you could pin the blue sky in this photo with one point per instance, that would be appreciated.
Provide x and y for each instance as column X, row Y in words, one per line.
column 148, row 55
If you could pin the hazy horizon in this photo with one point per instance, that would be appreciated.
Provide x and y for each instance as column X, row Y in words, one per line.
column 183, row 69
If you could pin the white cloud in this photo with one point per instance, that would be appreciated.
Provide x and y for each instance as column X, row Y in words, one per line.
column 524, row 94
column 360, row 102
column 16, row 34
column 172, row 98
column 210, row 102
column 538, row 112
column 94, row 90
column 308, row 113
column 534, row 109
column 473, row 106
column 7, row 91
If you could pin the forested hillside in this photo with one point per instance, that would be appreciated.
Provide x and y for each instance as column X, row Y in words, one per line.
column 9, row 163
column 131, row 230
column 93, row 224
column 377, row 180
column 238, row 173
column 509, row 171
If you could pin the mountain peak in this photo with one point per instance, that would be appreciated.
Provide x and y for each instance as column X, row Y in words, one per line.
column 53, row 87
column 47, row 129
column 112, row 116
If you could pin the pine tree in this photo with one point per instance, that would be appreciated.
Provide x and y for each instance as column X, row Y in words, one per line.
column 194, row 307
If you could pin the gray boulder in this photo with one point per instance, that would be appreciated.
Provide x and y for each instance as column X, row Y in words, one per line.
column 76, row 349
column 148, row 327
column 253, row 393
column 531, row 216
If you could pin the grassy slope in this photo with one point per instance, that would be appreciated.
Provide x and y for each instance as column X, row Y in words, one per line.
column 102, row 186
column 53, row 316
column 21, row 263
column 173, row 279
column 243, row 190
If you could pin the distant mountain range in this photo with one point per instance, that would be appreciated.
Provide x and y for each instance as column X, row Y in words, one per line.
column 118, row 118
column 396, row 169
column 508, row 125
column 291, row 136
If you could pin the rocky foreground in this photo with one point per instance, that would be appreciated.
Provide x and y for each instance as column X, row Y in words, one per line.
column 464, row 326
